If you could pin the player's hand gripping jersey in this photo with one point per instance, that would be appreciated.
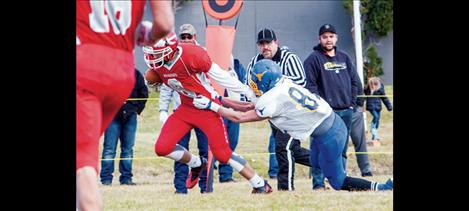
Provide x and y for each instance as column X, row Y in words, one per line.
column 293, row 109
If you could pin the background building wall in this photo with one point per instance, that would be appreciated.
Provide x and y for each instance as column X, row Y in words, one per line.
column 296, row 24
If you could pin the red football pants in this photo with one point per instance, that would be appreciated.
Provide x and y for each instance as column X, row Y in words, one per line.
column 183, row 120
column 105, row 78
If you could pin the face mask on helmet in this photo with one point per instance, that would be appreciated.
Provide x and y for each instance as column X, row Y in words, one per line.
column 264, row 75
column 155, row 56
column 254, row 88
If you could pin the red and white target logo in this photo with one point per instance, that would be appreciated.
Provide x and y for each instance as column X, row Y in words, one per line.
column 222, row 9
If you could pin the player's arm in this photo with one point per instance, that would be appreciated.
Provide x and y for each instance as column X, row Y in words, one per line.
column 311, row 75
column 237, row 105
column 202, row 102
column 355, row 81
column 163, row 19
column 223, row 78
column 238, row 116
column 162, row 24
column 166, row 93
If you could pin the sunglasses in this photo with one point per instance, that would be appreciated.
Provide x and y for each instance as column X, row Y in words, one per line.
column 186, row 36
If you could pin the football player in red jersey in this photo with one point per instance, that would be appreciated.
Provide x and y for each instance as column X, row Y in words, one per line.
column 105, row 38
column 186, row 68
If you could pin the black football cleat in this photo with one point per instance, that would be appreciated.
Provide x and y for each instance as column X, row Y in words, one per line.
column 266, row 189
column 193, row 177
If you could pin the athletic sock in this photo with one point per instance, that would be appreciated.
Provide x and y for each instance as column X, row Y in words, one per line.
column 194, row 162
column 256, row 181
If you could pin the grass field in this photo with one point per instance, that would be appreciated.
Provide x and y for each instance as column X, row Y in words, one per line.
column 154, row 176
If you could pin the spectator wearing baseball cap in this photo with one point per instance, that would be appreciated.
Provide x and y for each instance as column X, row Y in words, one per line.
column 284, row 152
column 331, row 74
column 187, row 33
column 327, row 28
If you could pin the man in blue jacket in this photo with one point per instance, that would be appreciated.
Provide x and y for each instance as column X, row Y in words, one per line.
column 123, row 127
column 331, row 74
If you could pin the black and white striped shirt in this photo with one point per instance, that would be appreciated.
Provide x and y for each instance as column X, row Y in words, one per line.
column 290, row 64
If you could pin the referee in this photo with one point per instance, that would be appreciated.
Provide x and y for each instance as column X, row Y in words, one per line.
column 288, row 151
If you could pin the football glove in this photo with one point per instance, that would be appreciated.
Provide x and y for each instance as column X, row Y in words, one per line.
column 163, row 116
column 201, row 102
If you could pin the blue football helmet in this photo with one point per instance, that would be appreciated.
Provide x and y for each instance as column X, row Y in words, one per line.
column 264, row 75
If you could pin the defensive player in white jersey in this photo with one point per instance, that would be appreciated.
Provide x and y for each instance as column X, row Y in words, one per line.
column 302, row 114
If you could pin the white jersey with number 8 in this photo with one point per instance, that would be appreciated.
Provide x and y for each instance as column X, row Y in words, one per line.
column 293, row 109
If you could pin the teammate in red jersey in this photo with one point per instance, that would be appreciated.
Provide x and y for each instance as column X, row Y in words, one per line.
column 105, row 38
column 186, row 68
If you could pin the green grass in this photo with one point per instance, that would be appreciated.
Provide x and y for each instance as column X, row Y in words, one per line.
column 154, row 175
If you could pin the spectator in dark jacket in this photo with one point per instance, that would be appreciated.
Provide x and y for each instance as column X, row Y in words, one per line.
column 123, row 127
column 331, row 74
column 373, row 105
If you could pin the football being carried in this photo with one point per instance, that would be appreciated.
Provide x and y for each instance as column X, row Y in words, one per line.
column 153, row 78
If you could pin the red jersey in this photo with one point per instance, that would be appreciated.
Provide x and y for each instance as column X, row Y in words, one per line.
column 109, row 23
column 186, row 74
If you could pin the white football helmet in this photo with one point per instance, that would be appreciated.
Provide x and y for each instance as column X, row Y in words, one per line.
column 155, row 56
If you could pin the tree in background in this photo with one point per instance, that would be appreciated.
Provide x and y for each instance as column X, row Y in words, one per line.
column 377, row 22
column 372, row 64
